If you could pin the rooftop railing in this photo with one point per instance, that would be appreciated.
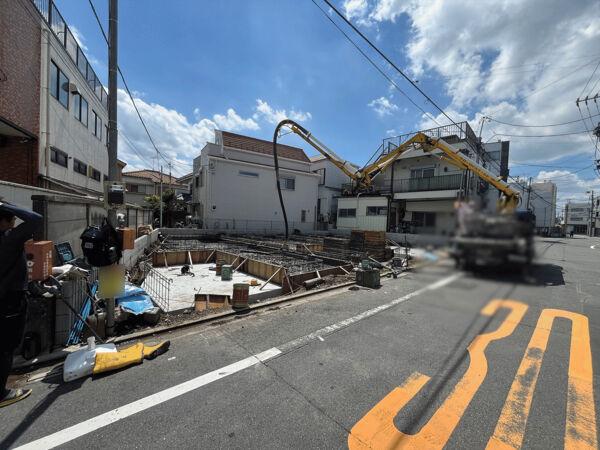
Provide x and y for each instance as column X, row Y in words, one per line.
column 57, row 24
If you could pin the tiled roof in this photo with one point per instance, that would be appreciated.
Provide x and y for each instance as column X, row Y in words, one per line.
column 260, row 146
column 152, row 175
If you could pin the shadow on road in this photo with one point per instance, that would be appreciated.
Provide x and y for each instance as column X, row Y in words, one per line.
column 40, row 408
column 535, row 275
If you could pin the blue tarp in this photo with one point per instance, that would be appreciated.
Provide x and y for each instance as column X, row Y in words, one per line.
column 134, row 300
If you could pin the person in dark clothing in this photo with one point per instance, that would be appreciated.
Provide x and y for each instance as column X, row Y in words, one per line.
column 13, row 287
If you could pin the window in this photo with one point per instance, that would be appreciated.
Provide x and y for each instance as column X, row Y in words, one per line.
column 59, row 85
column 79, row 167
column 426, row 172
column 376, row 210
column 247, row 174
column 106, row 134
column 287, row 183
column 132, row 187
column 97, row 125
column 303, row 215
column 95, row 174
column 197, row 180
column 59, row 157
column 347, row 212
column 321, row 173
column 80, row 109
column 423, row 219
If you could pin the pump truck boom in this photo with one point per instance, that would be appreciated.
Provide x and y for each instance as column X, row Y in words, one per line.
column 363, row 178
column 481, row 237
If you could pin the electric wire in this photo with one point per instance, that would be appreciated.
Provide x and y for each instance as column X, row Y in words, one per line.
column 389, row 61
column 374, row 64
column 133, row 102
column 590, row 79
column 518, row 125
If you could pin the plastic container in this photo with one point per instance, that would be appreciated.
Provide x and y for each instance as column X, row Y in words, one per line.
column 226, row 272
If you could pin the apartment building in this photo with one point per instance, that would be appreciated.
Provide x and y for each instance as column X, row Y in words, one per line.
column 234, row 186
column 417, row 193
column 53, row 107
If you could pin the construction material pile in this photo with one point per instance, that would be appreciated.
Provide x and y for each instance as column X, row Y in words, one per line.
column 373, row 243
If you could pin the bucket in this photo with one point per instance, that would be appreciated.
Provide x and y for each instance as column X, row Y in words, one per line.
column 240, row 296
column 218, row 267
column 226, row 272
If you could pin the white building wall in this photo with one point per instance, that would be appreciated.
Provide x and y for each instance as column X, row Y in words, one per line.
column 226, row 199
column 330, row 187
column 59, row 125
column 362, row 221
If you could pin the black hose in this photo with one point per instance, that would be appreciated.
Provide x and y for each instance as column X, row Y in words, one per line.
column 284, row 122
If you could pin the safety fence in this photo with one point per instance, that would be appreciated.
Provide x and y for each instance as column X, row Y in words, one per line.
column 157, row 286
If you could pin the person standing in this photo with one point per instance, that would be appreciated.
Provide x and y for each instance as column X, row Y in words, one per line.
column 13, row 287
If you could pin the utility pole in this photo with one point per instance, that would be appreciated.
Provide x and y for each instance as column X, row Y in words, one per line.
column 592, row 221
column 112, row 133
column 161, row 197
column 528, row 193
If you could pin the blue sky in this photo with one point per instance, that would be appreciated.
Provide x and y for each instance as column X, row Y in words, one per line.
column 190, row 62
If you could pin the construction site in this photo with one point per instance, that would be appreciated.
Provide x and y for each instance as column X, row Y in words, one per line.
column 203, row 272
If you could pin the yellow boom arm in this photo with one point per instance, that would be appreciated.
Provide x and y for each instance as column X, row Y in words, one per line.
column 428, row 144
column 364, row 177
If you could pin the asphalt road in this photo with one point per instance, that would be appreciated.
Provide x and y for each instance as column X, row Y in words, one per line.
column 437, row 358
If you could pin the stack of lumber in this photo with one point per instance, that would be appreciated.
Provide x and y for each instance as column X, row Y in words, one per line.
column 373, row 243
column 340, row 246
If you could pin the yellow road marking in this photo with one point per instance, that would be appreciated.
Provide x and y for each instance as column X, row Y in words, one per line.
column 581, row 416
column 377, row 430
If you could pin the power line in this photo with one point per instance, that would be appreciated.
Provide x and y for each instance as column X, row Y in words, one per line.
column 540, row 126
column 374, row 64
column 539, row 135
column 590, row 79
column 390, row 62
column 535, row 91
column 127, row 87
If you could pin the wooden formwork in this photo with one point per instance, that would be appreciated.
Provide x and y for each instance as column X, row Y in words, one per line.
column 299, row 278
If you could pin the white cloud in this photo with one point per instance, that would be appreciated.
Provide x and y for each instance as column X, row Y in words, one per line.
column 521, row 62
column 355, row 8
column 383, row 106
column 570, row 186
column 264, row 111
column 78, row 37
column 233, row 122
column 178, row 139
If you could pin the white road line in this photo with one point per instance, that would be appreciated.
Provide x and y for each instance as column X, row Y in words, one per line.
column 299, row 342
column 95, row 423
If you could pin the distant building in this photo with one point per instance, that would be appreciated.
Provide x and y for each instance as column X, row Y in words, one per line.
column 541, row 200
column 331, row 181
column 417, row 193
column 185, row 192
column 53, row 108
column 234, row 186
column 577, row 217
column 143, row 183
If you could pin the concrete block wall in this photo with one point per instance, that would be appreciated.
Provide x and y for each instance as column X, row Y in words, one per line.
column 130, row 257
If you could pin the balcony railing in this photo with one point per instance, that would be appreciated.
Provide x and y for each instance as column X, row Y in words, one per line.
column 62, row 32
column 439, row 183
column 462, row 131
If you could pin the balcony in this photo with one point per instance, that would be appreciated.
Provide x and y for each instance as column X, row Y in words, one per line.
column 437, row 183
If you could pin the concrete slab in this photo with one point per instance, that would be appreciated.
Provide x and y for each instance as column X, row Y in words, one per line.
column 185, row 287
